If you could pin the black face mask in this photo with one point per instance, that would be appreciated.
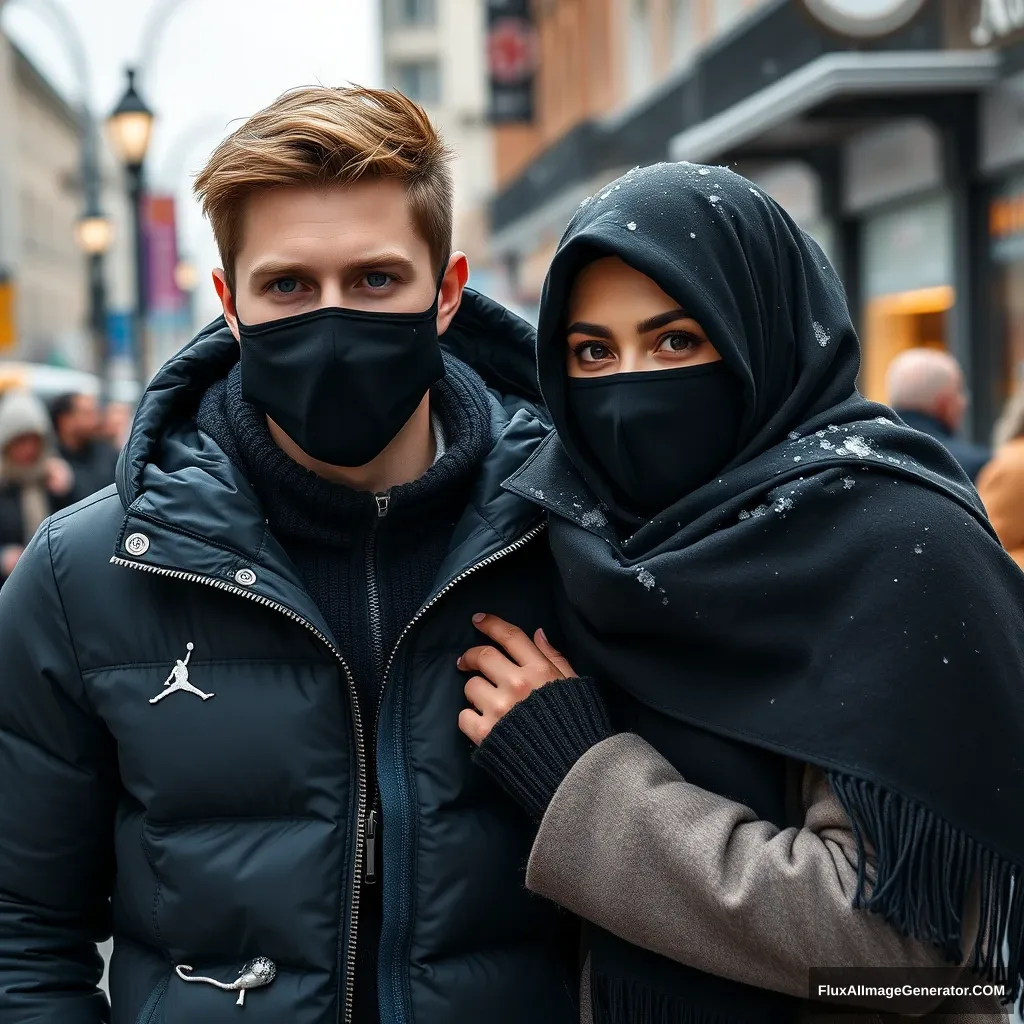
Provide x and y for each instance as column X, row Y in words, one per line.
column 659, row 435
column 341, row 383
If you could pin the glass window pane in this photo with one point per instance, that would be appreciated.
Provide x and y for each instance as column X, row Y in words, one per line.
column 420, row 81
column 417, row 12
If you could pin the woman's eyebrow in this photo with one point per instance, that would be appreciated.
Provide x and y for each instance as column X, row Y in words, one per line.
column 595, row 330
column 654, row 322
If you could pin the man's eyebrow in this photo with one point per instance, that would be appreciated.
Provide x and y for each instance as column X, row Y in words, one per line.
column 281, row 268
column 661, row 320
column 277, row 268
column 594, row 330
column 382, row 259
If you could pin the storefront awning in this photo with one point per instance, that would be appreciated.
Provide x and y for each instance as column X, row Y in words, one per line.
column 835, row 76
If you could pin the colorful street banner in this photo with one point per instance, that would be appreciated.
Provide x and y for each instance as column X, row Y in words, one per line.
column 162, row 293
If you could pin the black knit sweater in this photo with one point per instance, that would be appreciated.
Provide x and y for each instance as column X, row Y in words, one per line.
column 368, row 574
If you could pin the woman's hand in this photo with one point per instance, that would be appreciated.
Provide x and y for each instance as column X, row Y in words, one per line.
column 504, row 678
column 60, row 477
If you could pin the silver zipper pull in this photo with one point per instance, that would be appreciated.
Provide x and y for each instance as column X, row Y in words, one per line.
column 383, row 500
column 255, row 974
column 370, row 831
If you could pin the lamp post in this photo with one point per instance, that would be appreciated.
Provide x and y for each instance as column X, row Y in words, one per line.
column 94, row 233
column 130, row 126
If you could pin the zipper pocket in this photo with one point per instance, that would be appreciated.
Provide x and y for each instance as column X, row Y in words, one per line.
column 148, row 1011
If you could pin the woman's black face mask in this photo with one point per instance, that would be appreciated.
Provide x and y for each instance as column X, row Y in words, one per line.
column 659, row 435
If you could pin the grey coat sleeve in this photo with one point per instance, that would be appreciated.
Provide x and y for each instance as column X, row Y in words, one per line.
column 628, row 844
column 57, row 802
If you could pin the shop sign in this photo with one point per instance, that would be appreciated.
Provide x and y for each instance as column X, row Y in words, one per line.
column 512, row 57
column 997, row 22
column 863, row 19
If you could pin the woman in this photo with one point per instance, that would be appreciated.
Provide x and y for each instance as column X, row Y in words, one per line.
column 33, row 483
column 1001, row 483
column 811, row 645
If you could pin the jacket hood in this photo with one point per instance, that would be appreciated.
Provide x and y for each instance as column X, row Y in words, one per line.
column 174, row 474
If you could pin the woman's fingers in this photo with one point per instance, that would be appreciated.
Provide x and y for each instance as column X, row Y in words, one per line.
column 521, row 649
column 490, row 662
column 559, row 660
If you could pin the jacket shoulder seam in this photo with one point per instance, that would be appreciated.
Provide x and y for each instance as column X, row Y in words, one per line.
column 64, row 614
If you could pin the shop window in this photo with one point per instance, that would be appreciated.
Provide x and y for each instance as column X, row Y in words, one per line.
column 908, row 274
column 1006, row 234
column 419, row 80
column 640, row 55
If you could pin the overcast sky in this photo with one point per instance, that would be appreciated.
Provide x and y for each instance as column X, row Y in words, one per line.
column 216, row 61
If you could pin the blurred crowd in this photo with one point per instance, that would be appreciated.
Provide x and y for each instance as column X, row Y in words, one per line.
column 51, row 457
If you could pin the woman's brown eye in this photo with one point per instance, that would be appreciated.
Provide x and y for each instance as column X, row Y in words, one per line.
column 592, row 352
column 679, row 342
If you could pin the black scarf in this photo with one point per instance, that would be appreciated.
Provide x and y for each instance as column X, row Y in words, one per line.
column 836, row 596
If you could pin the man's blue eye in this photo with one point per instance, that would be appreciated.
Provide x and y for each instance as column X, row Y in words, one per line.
column 378, row 279
column 286, row 285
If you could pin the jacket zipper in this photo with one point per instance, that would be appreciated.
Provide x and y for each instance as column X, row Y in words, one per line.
column 371, row 824
column 377, row 644
column 357, row 867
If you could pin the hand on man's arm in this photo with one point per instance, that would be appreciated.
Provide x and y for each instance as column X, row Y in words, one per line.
column 532, row 717
column 57, row 804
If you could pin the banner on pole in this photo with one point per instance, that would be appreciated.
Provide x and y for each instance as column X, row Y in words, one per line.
column 512, row 59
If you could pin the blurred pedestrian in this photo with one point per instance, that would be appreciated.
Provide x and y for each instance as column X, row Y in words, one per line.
column 1001, row 483
column 117, row 424
column 927, row 391
column 78, row 424
column 33, row 483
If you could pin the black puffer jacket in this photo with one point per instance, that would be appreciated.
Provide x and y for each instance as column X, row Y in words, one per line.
column 235, row 823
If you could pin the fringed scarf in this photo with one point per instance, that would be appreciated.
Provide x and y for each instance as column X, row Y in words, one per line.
column 836, row 597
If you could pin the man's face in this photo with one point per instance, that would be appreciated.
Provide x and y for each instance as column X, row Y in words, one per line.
column 83, row 422
column 353, row 246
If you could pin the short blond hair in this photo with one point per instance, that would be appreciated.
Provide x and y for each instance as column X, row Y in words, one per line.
column 323, row 136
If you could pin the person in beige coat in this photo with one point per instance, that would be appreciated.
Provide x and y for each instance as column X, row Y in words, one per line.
column 1001, row 484
column 782, row 742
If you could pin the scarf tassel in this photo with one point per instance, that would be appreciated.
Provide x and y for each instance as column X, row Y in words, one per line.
column 925, row 872
column 620, row 1001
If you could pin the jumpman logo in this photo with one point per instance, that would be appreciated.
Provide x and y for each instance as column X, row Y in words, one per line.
column 179, row 676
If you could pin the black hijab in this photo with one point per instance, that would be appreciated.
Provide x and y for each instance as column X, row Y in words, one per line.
column 836, row 596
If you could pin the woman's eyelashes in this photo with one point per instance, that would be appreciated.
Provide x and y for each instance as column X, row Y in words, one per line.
column 680, row 343
column 591, row 352
column 675, row 345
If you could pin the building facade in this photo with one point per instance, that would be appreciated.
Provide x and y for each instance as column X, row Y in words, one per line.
column 434, row 53
column 40, row 203
column 903, row 154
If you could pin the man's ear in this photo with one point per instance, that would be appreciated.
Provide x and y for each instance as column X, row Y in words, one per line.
column 227, row 300
column 450, row 297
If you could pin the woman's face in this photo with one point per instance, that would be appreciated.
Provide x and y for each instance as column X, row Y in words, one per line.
column 620, row 321
column 25, row 450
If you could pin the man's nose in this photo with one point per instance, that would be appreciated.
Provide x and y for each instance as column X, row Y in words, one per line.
column 331, row 293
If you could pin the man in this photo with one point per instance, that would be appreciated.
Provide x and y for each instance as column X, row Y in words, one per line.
column 78, row 424
column 309, row 514
column 927, row 391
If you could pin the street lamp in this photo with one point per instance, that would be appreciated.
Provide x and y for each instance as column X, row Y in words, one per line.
column 130, row 126
column 94, row 233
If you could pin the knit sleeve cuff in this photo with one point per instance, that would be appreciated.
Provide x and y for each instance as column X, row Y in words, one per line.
column 533, row 747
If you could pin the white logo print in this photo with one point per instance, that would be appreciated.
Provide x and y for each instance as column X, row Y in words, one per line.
column 179, row 675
